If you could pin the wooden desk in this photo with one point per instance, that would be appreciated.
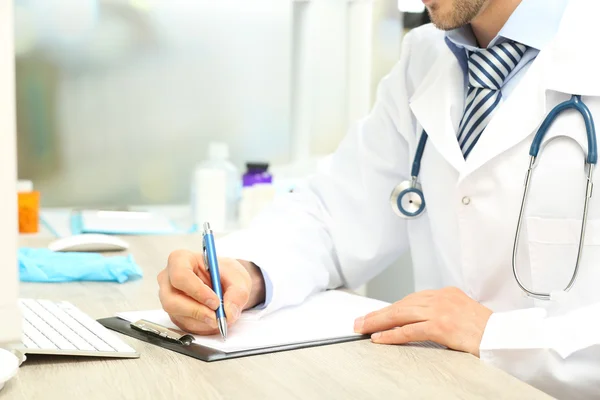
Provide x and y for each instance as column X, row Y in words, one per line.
column 357, row 370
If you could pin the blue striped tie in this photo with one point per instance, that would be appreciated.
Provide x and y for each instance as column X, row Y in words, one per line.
column 488, row 70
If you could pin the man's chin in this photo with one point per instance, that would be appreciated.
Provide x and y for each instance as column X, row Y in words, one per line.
column 441, row 23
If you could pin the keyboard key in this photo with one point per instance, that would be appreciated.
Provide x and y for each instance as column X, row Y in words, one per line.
column 114, row 341
column 91, row 326
column 52, row 334
column 37, row 337
column 100, row 331
column 61, row 328
column 62, row 322
column 30, row 344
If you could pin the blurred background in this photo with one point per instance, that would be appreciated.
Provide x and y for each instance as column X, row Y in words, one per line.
column 117, row 100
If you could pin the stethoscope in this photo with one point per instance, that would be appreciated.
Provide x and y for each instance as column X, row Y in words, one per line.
column 408, row 202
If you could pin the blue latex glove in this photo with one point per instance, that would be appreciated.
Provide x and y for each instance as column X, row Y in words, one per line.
column 44, row 265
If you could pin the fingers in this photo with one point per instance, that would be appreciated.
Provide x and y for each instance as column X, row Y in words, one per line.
column 237, row 285
column 394, row 316
column 177, row 304
column 233, row 273
column 412, row 308
column 182, row 271
column 186, row 294
column 185, row 297
column 235, row 298
column 421, row 298
column 419, row 332
column 193, row 326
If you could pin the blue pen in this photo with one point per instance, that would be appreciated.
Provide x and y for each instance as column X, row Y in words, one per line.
column 212, row 265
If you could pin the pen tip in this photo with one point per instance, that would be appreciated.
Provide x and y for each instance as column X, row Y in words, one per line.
column 222, row 327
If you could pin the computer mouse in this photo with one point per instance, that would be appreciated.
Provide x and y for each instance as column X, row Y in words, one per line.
column 94, row 242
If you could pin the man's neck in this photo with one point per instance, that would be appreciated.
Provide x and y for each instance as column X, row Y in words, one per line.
column 491, row 19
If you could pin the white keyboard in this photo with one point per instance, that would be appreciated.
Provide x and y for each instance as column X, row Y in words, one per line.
column 60, row 328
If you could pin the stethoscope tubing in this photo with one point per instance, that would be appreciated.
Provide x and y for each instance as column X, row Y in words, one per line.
column 409, row 194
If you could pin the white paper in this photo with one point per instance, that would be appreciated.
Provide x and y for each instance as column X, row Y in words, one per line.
column 326, row 315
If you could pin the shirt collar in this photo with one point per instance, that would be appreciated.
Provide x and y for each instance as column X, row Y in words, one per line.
column 533, row 23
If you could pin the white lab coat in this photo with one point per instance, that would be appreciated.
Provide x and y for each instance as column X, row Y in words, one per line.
column 339, row 229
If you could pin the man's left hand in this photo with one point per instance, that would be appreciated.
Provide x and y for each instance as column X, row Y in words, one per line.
column 446, row 316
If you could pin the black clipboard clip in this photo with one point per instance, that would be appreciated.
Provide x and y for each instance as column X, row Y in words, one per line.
column 173, row 335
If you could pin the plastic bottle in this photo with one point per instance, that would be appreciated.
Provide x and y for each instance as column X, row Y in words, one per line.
column 257, row 191
column 29, row 207
column 215, row 190
column 256, row 173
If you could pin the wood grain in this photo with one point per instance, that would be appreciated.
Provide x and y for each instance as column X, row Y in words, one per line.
column 356, row 370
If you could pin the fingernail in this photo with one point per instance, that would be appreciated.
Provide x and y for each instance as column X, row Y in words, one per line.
column 210, row 322
column 358, row 324
column 236, row 310
column 212, row 304
column 376, row 336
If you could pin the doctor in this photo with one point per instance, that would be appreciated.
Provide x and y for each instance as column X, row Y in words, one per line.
column 479, row 82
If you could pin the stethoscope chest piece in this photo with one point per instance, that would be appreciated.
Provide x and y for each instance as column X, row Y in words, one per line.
column 407, row 199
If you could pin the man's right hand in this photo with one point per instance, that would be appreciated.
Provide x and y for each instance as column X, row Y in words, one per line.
column 186, row 294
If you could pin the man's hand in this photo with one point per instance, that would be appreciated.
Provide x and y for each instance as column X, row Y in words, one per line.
column 186, row 294
column 447, row 316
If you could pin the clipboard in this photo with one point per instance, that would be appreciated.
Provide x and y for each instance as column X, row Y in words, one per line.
column 209, row 354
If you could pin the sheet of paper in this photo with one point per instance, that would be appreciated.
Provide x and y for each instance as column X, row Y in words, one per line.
column 326, row 315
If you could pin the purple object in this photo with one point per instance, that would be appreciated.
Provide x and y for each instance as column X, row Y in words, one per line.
column 256, row 173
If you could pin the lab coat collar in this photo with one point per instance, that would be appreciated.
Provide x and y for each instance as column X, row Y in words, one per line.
column 568, row 65
column 437, row 105
column 533, row 23
column 516, row 119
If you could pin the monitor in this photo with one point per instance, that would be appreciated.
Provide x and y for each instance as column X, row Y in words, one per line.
column 10, row 319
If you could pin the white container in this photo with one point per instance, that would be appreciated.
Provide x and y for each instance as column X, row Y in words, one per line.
column 215, row 190
column 254, row 200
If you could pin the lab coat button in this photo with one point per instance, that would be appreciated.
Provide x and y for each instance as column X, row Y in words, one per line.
column 466, row 200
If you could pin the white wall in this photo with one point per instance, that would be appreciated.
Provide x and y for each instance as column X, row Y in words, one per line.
column 10, row 325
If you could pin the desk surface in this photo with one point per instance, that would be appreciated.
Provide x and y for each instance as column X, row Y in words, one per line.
column 356, row 370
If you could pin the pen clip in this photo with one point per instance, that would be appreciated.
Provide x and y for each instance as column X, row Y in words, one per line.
column 184, row 339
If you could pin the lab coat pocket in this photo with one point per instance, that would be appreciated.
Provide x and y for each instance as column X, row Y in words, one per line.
column 553, row 246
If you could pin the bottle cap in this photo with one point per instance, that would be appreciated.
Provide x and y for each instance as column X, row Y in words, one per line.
column 24, row 186
column 257, row 166
column 218, row 151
